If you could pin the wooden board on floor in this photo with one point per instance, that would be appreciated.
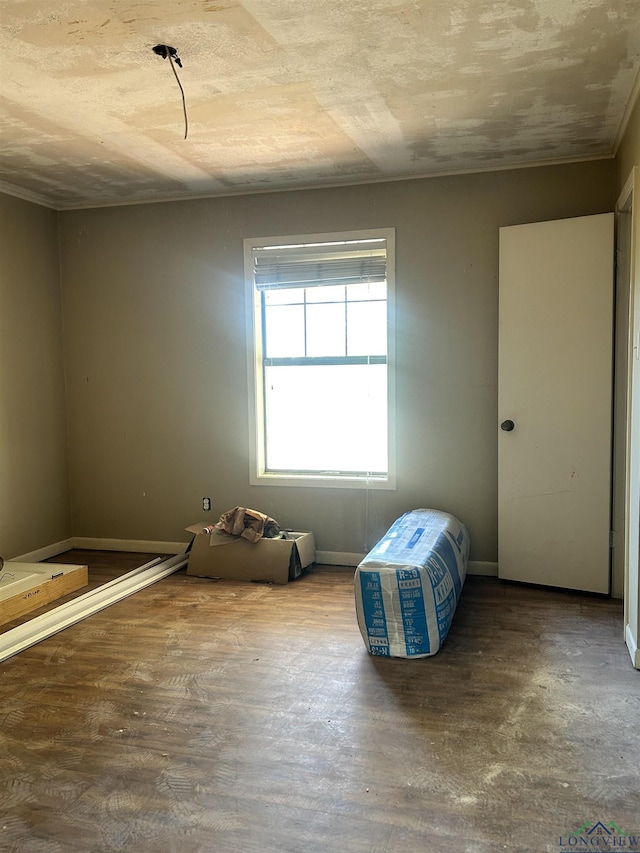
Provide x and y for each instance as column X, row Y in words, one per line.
column 37, row 584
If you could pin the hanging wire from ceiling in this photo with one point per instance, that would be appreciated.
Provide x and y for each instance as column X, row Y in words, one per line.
column 170, row 53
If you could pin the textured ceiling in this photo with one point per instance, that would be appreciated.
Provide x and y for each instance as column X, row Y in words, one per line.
column 286, row 93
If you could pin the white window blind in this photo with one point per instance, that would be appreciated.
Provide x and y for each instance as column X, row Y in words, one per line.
column 320, row 264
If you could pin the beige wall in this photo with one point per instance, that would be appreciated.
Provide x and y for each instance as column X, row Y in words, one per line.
column 34, row 493
column 154, row 316
column 628, row 154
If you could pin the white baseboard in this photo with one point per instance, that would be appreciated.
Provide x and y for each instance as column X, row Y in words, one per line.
column 144, row 546
column 147, row 546
column 344, row 558
column 338, row 558
column 44, row 553
column 482, row 567
column 632, row 646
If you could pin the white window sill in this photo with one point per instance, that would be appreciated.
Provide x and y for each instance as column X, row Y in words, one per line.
column 324, row 481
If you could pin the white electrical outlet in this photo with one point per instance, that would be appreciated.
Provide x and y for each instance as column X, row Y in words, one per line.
column 206, row 504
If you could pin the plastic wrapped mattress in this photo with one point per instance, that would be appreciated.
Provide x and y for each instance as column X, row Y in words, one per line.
column 408, row 586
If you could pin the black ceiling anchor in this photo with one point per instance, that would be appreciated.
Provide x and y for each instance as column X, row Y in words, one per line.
column 165, row 50
column 170, row 53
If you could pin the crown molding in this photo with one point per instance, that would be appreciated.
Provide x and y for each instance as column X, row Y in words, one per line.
column 509, row 167
column 631, row 102
column 26, row 195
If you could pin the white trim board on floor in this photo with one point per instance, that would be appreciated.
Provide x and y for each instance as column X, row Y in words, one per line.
column 41, row 627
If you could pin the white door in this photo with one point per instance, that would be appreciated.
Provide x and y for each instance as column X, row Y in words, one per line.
column 554, row 386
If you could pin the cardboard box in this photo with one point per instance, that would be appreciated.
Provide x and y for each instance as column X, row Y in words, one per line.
column 218, row 555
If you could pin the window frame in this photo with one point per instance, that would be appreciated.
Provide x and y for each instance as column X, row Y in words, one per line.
column 258, row 475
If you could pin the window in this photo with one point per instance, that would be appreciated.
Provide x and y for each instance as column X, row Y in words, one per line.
column 320, row 360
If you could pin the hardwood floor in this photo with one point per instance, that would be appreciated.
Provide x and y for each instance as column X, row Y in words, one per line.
column 203, row 715
column 104, row 566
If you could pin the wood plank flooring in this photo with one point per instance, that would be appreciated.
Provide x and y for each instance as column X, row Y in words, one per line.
column 202, row 715
column 105, row 566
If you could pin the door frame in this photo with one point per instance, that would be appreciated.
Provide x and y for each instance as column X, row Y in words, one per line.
column 626, row 520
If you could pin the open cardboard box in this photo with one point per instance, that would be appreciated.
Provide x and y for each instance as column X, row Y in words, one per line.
column 219, row 555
